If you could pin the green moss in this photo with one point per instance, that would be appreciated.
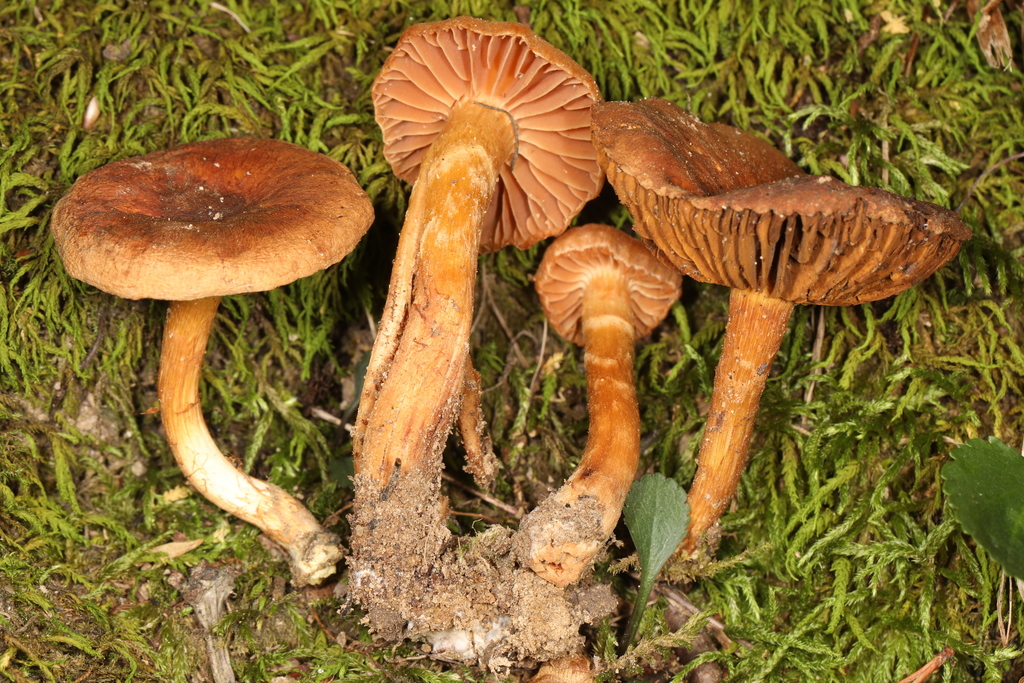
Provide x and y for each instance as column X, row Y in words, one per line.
column 858, row 574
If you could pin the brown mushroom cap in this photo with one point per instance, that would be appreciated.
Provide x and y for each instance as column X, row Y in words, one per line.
column 578, row 254
column 657, row 146
column 806, row 239
column 503, row 66
column 209, row 218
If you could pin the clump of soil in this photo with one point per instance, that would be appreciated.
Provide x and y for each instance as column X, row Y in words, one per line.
column 471, row 599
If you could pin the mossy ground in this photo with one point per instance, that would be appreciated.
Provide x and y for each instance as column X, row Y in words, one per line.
column 845, row 563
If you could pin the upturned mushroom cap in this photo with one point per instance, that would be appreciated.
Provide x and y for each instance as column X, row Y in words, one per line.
column 547, row 96
column 209, row 218
column 656, row 146
column 806, row 239
column 725, row 207
column 579, row 254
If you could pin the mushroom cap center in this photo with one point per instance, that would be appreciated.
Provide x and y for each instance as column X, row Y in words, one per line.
column 191, row 203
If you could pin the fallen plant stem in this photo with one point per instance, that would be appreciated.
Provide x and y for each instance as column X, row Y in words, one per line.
column 85, row 676
column 477, row 515
column 986, row 172
column 931, row 667
column 486, row 497
column 540, row 357
column 1004, row 626
column 714, row 625
column 323, row 627
column 504, row 325
column 237, row 19
column 335, row 516
column 507, row 370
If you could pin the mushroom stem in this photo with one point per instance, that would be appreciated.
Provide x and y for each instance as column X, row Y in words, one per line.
column 570, row 527
column 312, row 550
column 414, row 381
column 613, row 442
column 480, row 460
column 757, row 324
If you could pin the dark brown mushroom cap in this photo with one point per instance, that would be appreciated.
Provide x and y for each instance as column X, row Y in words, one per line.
column 807, row 239
column 209, row 218
column 580, row 253
column 505, row 66
column 662, row 148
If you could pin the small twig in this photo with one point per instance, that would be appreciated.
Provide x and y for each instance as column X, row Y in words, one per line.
column 101, row 328
column 540, row 357
column 486, row 497
column 476, row 515
column 504, row 325
column 85, row 676
column 392, row 481
column 885, row 158
column 1004, row 629
column 800, row 429
column 508, row 363
column 931, row 667
column 238, row 19
column 990, row 169
column 819, row 342
column 371, row 322
column 949, row 11
column 316, row 617
column 908, row 60
column 335, row 516
column 386, row 670
column 318, row 412
column 714, row 625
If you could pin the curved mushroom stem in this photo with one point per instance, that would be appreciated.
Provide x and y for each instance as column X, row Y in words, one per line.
column 757, row 324
column 313, row 551
column 563, row 534
column 414, row 381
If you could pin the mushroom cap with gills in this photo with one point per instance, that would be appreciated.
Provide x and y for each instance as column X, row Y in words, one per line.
column 725, row 207
column 654, row 146
column 805, row 239
column 211, row 218
column 571, row 260
column 503, row 66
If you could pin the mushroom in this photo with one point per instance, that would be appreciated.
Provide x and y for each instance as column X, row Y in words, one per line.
column 801, row 239
column 491, row 124
column 602, row 289
column 192, row 224
column 655, row 147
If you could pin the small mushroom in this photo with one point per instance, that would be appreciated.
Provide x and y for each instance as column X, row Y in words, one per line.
column 602, row 289
column 491, row 124
column 192, row 224
column 797, row 240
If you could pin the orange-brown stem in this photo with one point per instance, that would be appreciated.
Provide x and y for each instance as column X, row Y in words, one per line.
column 313, row 551
column 613, row 442
column 757, row 324
column 414, row 381
column 603, row 477
column 480, row 460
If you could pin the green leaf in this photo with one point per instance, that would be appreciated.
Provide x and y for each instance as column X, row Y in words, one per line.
column 985, row 484
column 657, row 515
